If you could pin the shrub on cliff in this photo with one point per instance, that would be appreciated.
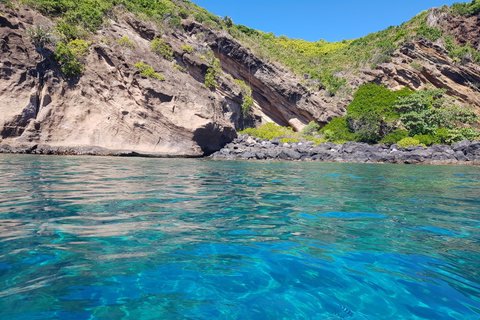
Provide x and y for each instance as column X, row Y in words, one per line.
column 371, row 116
column 466, row 9
column 148, row 71
column 70, row 55
column 246, row 91
column 125, row 42
column 39, row 36
column 395, row 136
column 187, row 49
column 160, row 47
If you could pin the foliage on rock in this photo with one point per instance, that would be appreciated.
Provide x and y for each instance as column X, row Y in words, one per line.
column 247, row 100
column 125, row 42
column 70, row 56
column 163, row 49
column 148, row 71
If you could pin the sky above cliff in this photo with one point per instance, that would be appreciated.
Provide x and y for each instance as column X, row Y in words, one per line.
column 312, row 20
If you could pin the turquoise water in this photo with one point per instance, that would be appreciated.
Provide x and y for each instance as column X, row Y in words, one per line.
column 129, row 238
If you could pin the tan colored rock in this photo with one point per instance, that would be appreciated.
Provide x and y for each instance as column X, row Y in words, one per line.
column 113, row 107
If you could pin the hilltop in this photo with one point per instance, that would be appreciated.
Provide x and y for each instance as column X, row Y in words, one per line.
column 168, row 78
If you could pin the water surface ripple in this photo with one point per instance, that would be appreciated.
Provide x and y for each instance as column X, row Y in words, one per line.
column 130, row 238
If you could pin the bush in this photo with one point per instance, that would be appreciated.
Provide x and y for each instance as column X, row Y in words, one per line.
column 183, row 13
column 213, row 72
column 371, row 115
column 125, row 42
column 311, row 129
column 429, row 32
column 69, row 56
column 467, row 9
column 425, row 111
column 210, row 78
column 426, row 139
column 408, row 142
column 69, row 32
column 417, row 66
column 337, row 130
column 270, row 131
column 459, row 134
column 160, row 47
column 187, row 49
column 39, row 36
column 176, row 68
column 174, row 21
column 148, row 71
column 247, row 100
column 395, row 136
column 289, row 140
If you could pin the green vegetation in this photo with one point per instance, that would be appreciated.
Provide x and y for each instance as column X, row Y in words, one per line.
column 148, row 71
column 337, row 130
column 160, row 47
column 377, row 114
column 466, row 9
column 311, row 129
column 125, row 42
column 214, row 71
column 247, row 100
column 39, row 36
column 187, row 49
column 178, row 68
column 70, row 56
column 417, row 66
column 284, row 134
column 408, row 142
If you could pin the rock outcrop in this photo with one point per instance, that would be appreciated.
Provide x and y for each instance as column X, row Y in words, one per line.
column 421, row 63
column 249, row 148
column 113, row 109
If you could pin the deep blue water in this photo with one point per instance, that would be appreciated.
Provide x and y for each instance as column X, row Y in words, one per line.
column 130, row 238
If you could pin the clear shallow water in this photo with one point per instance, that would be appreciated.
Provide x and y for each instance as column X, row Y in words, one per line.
column 126, row 238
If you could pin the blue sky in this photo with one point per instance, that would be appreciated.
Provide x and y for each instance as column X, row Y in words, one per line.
column 331, row 20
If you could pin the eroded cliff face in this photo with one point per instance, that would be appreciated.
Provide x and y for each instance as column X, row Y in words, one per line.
column 111, row 106
column 422, row 63
column 113, row 109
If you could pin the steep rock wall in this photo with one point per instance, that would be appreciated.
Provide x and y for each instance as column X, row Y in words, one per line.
column 115, row 109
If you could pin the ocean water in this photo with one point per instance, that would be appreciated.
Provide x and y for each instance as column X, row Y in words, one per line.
column 131, row 238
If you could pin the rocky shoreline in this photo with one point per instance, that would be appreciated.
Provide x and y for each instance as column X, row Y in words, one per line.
column 250, row 148
column 246, row 147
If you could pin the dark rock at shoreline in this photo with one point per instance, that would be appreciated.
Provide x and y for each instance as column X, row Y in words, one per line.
column 247, row 147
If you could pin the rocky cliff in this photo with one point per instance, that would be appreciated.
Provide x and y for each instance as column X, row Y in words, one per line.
column 113, row 109
column 421, row 63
